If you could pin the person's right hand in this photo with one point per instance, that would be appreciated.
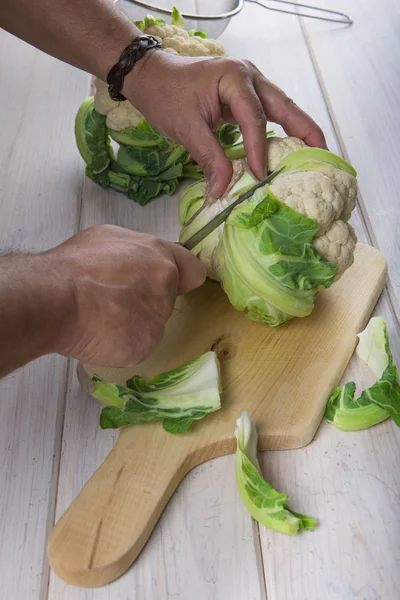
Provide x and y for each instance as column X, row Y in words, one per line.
column 185, row 97
column 125, row 285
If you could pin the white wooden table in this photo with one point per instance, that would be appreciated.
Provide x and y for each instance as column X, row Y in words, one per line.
column 205, row 545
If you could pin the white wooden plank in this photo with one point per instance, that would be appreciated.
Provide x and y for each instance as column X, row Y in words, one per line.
column 350, row 482
column 359, row 67
column 39, row 177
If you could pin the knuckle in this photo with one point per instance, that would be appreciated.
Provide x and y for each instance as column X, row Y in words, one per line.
column 169, row 271
column 289, row 103
column 259, row 116
column 241, row 67
column 249, row 65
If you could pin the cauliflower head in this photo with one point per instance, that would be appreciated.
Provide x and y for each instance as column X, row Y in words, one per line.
column 288, row 240
column 325, row 192
column 322, row 191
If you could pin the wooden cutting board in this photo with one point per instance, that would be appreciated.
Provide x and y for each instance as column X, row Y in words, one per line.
column 282, row 377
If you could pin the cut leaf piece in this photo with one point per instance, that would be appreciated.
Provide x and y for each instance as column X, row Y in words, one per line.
column 379, row 401
column 177, row 425
column 177, row 397
column 266, row 505
column 346, row 413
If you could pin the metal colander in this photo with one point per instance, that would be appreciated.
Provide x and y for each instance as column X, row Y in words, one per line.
column 212, row 16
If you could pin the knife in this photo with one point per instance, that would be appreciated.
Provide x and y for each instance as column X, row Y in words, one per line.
column 202, row 233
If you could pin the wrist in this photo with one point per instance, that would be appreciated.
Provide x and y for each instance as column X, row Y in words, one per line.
column 137, row 84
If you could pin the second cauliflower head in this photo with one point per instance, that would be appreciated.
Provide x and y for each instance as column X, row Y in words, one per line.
column 121, row 149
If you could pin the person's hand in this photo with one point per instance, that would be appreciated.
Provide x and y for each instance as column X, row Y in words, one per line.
column 125, row 284
column 185, row 97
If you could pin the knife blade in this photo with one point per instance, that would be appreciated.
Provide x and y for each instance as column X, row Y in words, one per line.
column 202, row 233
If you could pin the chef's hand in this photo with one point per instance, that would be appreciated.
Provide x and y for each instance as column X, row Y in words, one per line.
column 103, row 297
column 185, row 97
column 125, row 285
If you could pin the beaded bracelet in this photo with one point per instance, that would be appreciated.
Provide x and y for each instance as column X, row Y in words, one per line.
column 129, row 57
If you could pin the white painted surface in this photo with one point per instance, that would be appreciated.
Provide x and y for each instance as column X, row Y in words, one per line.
column 205, row 545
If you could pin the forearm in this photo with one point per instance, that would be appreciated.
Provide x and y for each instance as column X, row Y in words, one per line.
column 89, row 34
column 35, row 306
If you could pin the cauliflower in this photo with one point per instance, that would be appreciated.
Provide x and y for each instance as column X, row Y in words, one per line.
column 324, row 193
column 337, row 246
column 285, row 242
column 279, row 148
column 184, row 44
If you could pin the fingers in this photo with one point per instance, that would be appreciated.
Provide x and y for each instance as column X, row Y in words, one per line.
column 248, row 112
column 207, row 152
column 282, row 110
column 192, row 273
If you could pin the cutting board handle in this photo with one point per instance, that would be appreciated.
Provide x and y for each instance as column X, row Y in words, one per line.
column 109, row 522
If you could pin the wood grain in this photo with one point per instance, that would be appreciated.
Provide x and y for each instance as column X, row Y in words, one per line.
column 40, row 174
column 274, row 374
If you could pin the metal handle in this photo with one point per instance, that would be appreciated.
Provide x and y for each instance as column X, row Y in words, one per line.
column 344, row 18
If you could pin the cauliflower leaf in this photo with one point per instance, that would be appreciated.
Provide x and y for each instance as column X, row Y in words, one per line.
column 266, row 505
column 378, row 402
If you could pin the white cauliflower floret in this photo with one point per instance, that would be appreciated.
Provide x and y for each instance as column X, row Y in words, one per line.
column 279, row 148
column 119, row 114
column 160, row 31
column 346, row 185
column 312, row 194
column 337, row 246
column 194, row 47
column 102, row 101
column 174, row 42
column 123, row 115
column 180, row 32
column 175, row 38
column 215, row 48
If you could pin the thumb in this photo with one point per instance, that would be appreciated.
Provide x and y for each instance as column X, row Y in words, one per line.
column 208, row 153
column 192, row 273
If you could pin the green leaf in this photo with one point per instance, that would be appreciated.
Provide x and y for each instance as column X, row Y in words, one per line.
column 141, row 136
column 380, row 401
column 197, row 33
column 149, row 21
column 176, row 18
column 269, row 266
column 237, row 150
column 91, row 137
column 228, row 134
column 266, row 208
column 346, row 413
column 149, row 162
column 266, row 505
column 188, row 392
column 386, row 393
column 310, row 159
column 177, row 426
